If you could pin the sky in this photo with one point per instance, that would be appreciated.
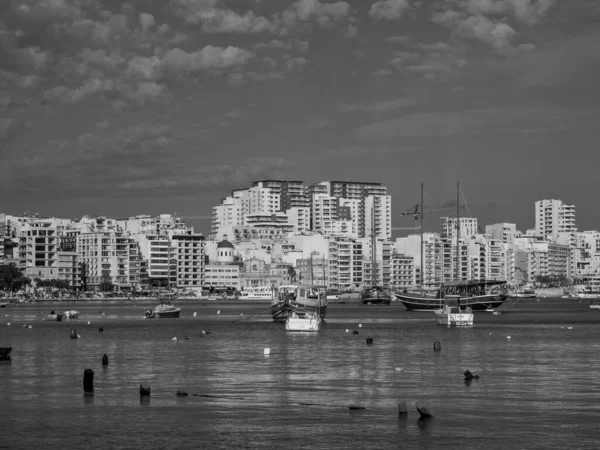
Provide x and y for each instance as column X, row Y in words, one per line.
column 164, row 106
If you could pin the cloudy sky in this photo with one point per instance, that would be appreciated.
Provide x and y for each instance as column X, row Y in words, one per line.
column 153, row 106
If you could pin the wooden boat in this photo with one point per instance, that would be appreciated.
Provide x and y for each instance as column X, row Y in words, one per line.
column 453, row 314
column 376, row 295
column 303, row 322
column 302, row 298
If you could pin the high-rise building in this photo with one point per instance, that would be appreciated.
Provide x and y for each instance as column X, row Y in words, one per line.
column 292, row 194
column 553, row 217
column 189, row 253
column 468, row 227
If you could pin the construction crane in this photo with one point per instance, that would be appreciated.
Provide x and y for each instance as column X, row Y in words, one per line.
column 416, row 213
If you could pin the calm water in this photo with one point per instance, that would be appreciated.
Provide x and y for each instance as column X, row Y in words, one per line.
column 538, row 390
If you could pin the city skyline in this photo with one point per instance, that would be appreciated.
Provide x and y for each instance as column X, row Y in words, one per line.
column 118, row 109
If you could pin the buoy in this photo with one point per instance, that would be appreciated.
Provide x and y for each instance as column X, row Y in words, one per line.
column 195, row 314
column 347, row 330
column 359, row 325
column 88, row 380
column 267, row 351
column 241, row 314
column 399, row 369
column 355, row 332
column 89, row 322
column 29, row 326
column 355, row 407
column 174, row 339
column 187, row 338
column 508, row 338
column 24, row 326
column 8, row 324
column 105, row 360
column 369, row 341
column 402, row 408
column 423, row 409
column 144, row 391
column 218, row 312
column 74, row 334
column 437, row 346
column 496, row 313
column 100, row 330
column 469, row 376
column 568, row 328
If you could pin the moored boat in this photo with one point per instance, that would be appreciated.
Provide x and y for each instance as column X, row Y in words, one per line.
column 258, row 293
column 376, row 295
column 333, row 294
column 54, row 317
column 301, row 298
column 5, row 354
column 3, row 304
column 477, row 295
column 589, row 291
column 453, row 313
column 72, row 314
column 303, row 322
column 525, row 292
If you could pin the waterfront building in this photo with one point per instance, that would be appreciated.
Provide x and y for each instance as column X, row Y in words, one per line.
column 553, row 217
column 299, row 218
column 38, row 249
column 224, row 272
column 189, row 255
column 227, row 214
column 379, row 209
column 402, row 272
column 323, row 213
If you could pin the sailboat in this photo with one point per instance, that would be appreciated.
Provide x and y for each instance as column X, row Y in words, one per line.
column 478, row 295
column 374, row 294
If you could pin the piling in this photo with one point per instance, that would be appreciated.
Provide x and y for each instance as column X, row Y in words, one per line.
column 74, row 334
column 369, row 341
column 437, row 346
column 469, row 376
column 402, row 408
column 88, row 381
column 144, row 391
column 100, row 330
column 105, row 360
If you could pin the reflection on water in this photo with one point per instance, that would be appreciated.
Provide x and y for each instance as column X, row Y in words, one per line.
column 537, row 390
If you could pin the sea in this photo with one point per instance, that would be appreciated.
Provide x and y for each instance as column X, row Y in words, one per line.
column 537, row 362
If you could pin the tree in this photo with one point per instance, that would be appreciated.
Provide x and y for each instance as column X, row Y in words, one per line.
column 9, row 276
column 292, row 273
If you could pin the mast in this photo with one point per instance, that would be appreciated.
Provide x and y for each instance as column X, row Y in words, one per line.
column 421, row 227
column 373, row 245
column 457, row 232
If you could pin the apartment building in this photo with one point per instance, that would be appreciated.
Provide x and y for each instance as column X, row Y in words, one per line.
column 468, row 227
column 402, row 269
column 292, row 194
column 553, row 217
column 504, row 232
column 189, row 255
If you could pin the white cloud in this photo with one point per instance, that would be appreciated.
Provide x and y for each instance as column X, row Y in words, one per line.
column 146, row 21
column 388, row 9
column 208, row 58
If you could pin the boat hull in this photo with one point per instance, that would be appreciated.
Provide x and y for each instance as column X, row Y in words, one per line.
column 167, row 314
column 461, row 319
column 303, row 325
column 479, row 303
column 281, row 310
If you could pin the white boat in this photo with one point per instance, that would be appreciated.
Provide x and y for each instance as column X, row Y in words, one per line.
column 590, row 291
column 306, row 322
column 333, row 294
column 3, row 304
column 72, row 314
column 525, row 292
column 451, row 314
column 595, row 306
column 258, row 293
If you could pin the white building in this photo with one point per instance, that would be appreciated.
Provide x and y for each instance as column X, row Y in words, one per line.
column 553, row 217
column 378, row 208
column 299, row 217
column 504, row 232
column 189, row 254
column 468, row 227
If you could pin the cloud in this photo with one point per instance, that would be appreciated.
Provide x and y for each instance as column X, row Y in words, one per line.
column 380, row 107
column 496, row 34
column 292, row 44
column 388, row 9
column 529, row 12
column 208, row 58
column 472, row 122
column 352, row 32
column 146, row 21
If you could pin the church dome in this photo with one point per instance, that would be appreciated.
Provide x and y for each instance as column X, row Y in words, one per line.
column 224, row 244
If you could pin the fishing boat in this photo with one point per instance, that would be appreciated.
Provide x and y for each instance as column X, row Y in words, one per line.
column 54, row 317
column 302, row 298
column 376, row 295
column 525, row 292
column 333, row 294
column 479, row 295
column 589, row 291
column 453, row 314
column 257, row 293
column 164, row 310
column 5, row 354
column 303, row 322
